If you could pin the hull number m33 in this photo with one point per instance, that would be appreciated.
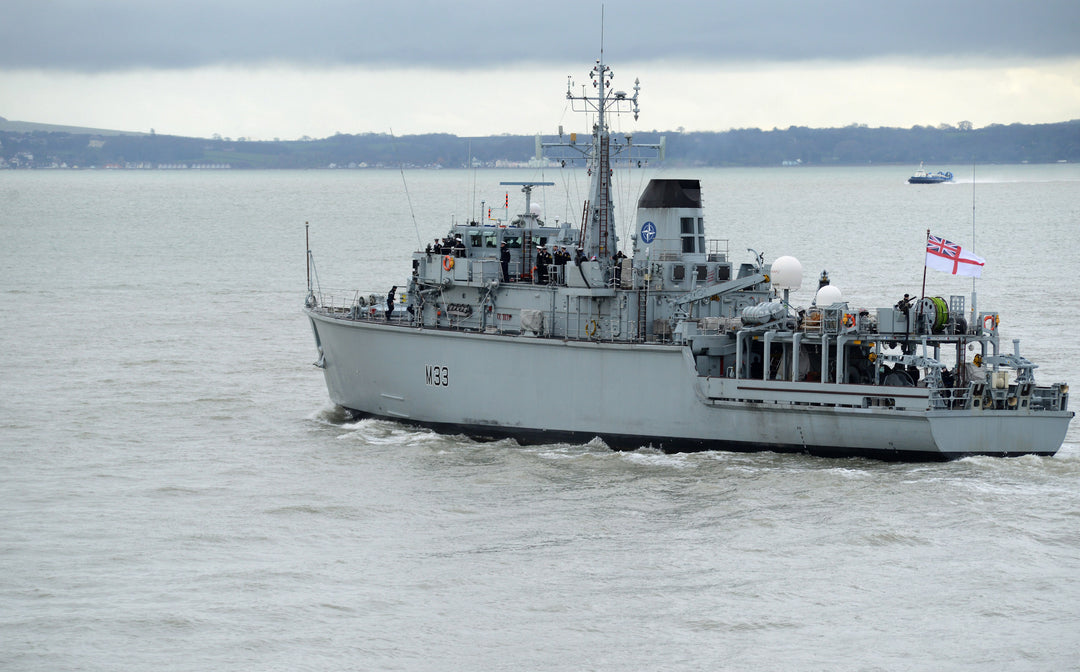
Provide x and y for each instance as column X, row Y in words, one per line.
column 437, row 376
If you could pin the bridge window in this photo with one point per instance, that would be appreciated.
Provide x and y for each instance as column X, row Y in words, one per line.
column 689, row 237
column 678, row 272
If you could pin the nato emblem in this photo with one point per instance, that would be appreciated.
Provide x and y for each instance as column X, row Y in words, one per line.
column 648, row 232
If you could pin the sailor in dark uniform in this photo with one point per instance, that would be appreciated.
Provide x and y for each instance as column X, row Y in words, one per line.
column 904, row 304
column 561, row 257
column 504, row 258
column 390, row 302
column 541, row 266
column 619, row 256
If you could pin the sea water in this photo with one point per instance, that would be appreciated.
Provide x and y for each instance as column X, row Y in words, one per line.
column 177, row 492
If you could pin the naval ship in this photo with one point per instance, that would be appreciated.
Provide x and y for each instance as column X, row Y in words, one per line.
column 674, row 347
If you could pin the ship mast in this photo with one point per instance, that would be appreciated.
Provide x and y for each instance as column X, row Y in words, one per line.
column 599, row 232
column 600, row 237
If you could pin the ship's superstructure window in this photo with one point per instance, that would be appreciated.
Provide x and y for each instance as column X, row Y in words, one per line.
column 475, row 239
column 701, row 272
column 686, row 224
column 678, row 272
column 701, row 234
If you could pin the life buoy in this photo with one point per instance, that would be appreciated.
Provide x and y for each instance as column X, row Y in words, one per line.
column 591, row 328
column 849, row 320
column 990, row 322
column 447, row 262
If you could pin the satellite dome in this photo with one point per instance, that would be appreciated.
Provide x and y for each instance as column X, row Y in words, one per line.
column 535, row 209
column 828, row 295
column 786, row 273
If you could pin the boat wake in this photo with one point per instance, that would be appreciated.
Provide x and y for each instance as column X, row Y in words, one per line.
column 331, row 414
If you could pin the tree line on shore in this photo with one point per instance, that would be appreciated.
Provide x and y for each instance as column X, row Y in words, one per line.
column 943, row 145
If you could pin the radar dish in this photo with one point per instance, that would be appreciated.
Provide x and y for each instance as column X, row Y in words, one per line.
column 786, row 273
column 828, row 295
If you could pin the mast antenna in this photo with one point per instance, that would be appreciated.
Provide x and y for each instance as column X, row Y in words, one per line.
column 601, row 33
column 974, row 295
column 401, row 167
column 599, row 235
column 973, row 214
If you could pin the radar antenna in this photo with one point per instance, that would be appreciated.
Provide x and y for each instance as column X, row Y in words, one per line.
column 599, row 237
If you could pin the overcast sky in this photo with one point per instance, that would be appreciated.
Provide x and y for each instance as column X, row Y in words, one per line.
column 286, row 68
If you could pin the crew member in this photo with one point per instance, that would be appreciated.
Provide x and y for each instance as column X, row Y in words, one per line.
column 904, row 304
column 561, row 257
column 504, row 258
column 619, row 256
column 541, row 266
column 390, row 302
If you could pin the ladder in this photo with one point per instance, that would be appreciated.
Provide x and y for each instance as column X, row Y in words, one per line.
column 584, row 223
column 642, row 303
column 604, row 211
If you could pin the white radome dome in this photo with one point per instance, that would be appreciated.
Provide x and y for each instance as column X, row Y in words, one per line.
column 786, row 273
column 535, row 209
column 828, row 295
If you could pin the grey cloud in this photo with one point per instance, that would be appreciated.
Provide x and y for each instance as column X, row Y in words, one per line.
column 102, row 35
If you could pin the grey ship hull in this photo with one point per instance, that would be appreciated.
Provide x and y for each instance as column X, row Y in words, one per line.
column 632, row 395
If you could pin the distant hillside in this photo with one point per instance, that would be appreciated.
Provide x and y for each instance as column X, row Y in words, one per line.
column 31, row 127
column 46, row 146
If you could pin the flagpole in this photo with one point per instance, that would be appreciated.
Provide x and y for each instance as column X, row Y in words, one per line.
column 922, row 294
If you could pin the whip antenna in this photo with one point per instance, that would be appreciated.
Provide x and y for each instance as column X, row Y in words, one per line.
column 401, row 167
column 973, row 214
